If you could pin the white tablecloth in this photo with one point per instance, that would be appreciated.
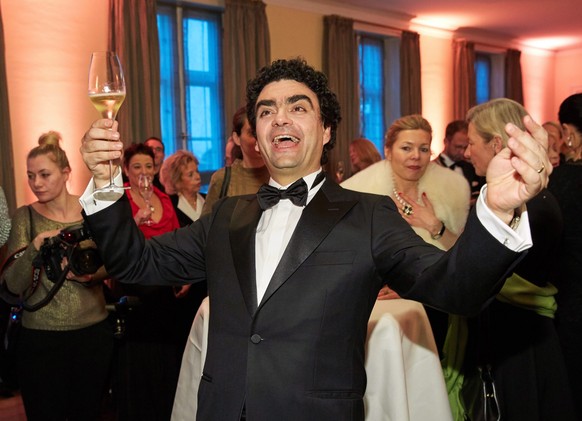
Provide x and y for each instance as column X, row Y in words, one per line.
column 405, row 381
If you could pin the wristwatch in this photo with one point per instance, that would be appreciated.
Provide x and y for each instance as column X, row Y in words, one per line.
column 440, row 233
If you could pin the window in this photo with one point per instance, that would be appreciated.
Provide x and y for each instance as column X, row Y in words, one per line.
column 379, row 77
column 489, row 76
column 482, row 77
column 191, row 83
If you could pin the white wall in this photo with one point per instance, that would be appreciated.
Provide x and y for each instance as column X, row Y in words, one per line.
column 568, row 78
column 48, row 45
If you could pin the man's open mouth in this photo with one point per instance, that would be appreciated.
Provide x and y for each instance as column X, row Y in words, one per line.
column 285, row 138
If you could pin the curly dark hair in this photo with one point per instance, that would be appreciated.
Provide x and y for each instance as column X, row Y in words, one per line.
column 298, row 70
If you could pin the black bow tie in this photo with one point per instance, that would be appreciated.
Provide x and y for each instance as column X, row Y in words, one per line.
column 269, row 196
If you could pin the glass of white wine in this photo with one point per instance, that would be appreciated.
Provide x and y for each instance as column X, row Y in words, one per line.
column 107, row 93
column 146, row 190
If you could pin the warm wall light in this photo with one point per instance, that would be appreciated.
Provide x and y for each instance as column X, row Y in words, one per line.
column 446, row 22
column 551, row 43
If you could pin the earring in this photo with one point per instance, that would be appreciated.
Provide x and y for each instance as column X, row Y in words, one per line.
column 570, row 140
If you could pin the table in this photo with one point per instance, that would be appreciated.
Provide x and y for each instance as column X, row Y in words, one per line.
column 405, row 381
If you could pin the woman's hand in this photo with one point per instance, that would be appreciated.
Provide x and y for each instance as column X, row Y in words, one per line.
column 39, row 239
column 181, row 292
column 422, row 215
column 143, row 215
column 387, row 294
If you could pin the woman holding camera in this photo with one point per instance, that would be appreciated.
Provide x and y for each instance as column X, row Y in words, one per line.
column 64, row 348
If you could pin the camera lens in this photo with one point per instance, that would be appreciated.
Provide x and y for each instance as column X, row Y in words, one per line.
column 85, row 261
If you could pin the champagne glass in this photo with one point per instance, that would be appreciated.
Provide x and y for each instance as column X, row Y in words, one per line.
column 146, row 189
column 107, row 92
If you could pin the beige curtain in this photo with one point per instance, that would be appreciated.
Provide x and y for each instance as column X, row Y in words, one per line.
column 340, row 64
column 246, row 49
column 7, row 171
column 513, row 82
column 410, row 89
column 134, row 36
column 464, row 85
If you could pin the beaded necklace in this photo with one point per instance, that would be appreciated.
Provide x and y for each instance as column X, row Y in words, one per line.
column 407, row 208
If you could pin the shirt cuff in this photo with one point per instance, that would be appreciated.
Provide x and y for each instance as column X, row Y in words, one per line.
column 91, row 205
column 518, row 240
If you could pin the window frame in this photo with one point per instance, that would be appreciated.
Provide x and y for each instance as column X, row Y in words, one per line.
column 179, row 112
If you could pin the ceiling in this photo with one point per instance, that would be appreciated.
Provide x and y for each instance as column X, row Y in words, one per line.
column 548, row 24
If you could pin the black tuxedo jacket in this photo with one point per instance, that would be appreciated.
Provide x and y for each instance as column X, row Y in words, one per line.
column 299, row 353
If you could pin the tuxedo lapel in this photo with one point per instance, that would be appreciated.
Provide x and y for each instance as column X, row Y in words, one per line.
column 317, row 220
column 243, row 228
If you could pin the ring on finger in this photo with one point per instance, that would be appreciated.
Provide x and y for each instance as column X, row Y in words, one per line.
column 407, row 210
column 541, row 169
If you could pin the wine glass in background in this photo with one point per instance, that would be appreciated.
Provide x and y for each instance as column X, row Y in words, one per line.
column 146, row 189
column 107, row 92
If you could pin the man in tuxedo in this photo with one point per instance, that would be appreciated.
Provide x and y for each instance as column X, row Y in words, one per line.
column 453, row 156
column 293, row 271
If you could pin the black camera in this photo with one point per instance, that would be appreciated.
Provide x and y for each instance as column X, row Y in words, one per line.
column 75, row 244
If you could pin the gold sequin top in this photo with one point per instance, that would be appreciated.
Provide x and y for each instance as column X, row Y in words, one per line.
column 74, row 306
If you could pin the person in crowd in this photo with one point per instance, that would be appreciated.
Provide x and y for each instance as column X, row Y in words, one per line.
column 159, row 154
column 452, row 156
column 149, row 355
column 566, row 185
column 555, row 142
column 293, row 274
column 182, row 180
column 514, row 340
column 434, row 200
column 363, row 153
column 245, row 175
column 5, row 381
column 232, row 152
column 573, row 151
column 65, row 346
column 5, row 221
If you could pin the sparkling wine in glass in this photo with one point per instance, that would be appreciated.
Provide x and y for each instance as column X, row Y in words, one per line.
column 107, row 92
column 146, row 189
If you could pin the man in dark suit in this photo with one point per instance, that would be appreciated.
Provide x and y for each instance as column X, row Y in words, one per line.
column 453, row 156
column 292, row 283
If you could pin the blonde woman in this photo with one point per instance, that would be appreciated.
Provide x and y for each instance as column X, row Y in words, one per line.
column 65, row 347
column 514, row 339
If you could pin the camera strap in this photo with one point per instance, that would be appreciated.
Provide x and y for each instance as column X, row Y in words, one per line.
column 20, row 300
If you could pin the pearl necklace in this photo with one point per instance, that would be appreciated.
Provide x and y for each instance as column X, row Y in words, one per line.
column 407, row 208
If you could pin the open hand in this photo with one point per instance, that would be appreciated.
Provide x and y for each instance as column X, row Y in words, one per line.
column 519, row 171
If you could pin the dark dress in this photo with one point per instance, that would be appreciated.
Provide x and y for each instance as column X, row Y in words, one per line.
column 188, row 305
column 566, row 185
column 521, row 345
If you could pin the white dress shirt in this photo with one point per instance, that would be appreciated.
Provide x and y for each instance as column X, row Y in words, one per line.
column 274, row 232
column 449, row 163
